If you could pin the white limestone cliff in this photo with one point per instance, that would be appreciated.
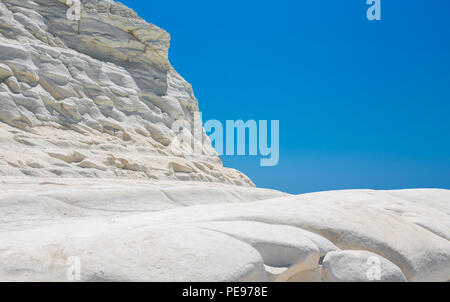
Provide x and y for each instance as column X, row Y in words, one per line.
column 95, row 97
column 88, row 173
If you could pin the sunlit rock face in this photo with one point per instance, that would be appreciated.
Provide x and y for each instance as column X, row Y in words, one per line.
column 96, row 97
column 93, row 188
column 136, row 230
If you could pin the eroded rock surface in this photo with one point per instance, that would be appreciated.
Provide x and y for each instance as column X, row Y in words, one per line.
column 90, row 176
column 127, row 230
column 96, row 98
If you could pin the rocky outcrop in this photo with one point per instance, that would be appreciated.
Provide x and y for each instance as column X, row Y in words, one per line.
column 123, row 230
column 95, row 187
column 95, row 97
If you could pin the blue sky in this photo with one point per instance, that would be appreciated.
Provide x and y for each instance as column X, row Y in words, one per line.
column 361, row 104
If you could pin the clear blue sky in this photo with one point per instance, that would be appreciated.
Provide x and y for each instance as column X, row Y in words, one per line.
column 361, row 104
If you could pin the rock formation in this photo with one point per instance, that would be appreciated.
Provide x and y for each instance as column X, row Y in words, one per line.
column 90, row 179
column 95, row 97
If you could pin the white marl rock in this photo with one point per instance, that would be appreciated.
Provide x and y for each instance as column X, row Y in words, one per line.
column 101, row 86
column 182, row 231
column 89, row 113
